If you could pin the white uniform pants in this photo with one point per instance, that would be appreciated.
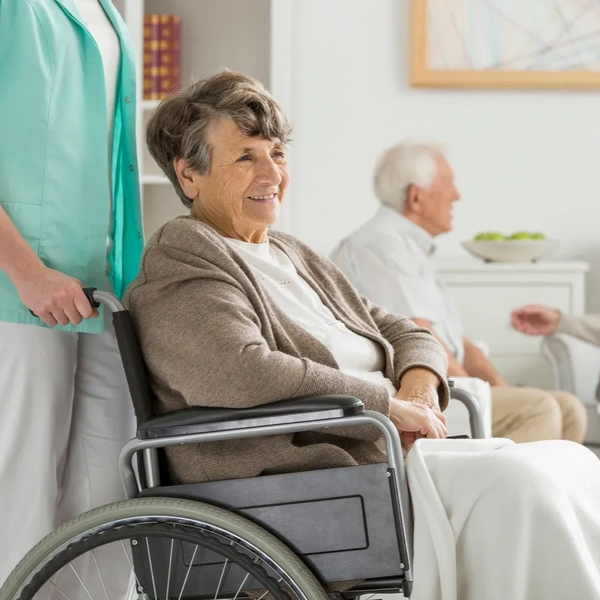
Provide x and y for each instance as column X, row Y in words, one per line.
column 65, row 414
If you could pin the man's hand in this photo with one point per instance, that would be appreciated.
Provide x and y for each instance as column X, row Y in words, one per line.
column 535, row 320
column 55, row 297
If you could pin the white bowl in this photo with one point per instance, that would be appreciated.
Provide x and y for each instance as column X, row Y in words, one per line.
column 510, row 250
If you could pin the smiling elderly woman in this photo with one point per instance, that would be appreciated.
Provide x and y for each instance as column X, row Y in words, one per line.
column 232, row 314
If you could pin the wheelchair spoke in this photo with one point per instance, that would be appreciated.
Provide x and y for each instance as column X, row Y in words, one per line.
column 151, row 569
column 100, row 575
column 241, row 586
column 137, row 581
column 169, row 573
column 221, row 578
column 58, row 590
column 185, row 562
column 81, row 581
column 188, row 573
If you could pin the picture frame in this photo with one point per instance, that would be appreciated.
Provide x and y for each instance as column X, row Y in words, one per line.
column 551, row 44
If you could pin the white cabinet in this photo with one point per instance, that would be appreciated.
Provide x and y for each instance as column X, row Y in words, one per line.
column 486, row 293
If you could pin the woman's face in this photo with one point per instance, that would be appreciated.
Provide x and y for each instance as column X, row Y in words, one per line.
column 241, row 195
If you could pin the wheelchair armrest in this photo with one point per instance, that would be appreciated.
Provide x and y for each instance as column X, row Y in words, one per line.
column 575, row 365
column 199, row 419
column 476, row 418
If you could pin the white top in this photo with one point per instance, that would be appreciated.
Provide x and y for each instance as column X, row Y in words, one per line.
column 356, row 355
column 107, row 40
column 388, row 260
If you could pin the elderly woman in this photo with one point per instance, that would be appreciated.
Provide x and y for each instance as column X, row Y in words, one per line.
column 230, row 313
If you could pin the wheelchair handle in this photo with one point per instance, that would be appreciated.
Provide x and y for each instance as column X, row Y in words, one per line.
column 96, row 298
column 89, row 294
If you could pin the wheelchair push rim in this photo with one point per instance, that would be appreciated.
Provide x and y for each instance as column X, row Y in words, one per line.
column 167, row 546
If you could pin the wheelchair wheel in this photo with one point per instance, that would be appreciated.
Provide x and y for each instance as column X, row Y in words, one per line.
column 161, row 549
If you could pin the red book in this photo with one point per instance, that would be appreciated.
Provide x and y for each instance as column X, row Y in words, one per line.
column 176, row 66
column 152, row 57
column 169, row 54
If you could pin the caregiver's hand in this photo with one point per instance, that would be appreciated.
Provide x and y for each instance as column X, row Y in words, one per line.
column 54, row 297
column 418, row 389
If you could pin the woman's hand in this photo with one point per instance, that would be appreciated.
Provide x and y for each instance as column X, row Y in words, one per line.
column 422, row 417
column 414, row 420
column 535, row 320
column 55, row 297
column 421, row 386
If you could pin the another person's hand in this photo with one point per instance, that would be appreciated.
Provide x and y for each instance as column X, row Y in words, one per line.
column 414, row 420
column 55, row 298
column 535, row 320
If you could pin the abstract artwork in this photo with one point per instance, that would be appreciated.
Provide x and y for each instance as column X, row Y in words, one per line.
column 505, row 43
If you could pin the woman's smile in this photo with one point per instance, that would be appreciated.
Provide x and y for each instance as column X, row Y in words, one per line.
column 265, row 199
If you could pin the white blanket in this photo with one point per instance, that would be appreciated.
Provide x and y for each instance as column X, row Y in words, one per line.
column 499, row 521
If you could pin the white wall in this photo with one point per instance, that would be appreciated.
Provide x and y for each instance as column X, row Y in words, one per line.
column 523, row 159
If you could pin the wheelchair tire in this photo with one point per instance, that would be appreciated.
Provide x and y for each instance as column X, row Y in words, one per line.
column 77, row 536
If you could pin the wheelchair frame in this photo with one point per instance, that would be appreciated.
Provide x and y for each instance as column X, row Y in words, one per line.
column 199, row 425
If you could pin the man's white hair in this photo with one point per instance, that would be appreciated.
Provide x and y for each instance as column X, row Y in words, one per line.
column 411, row 162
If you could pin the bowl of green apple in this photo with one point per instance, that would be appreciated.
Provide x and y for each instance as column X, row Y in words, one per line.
column 522, row 246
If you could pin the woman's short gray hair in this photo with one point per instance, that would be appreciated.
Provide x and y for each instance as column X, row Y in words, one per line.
column 178, row 128
column 411, row 162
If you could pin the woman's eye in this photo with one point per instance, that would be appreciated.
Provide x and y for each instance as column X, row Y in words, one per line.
column 244, row 158
column 279, row 154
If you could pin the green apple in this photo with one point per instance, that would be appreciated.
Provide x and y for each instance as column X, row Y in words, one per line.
column 538, row 236
column 520, row 235
column 489, row 236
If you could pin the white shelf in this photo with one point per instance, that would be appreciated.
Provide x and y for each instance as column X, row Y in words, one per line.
column 150, row 104
column 215, row 31
column 155, row 180
column 473, row 265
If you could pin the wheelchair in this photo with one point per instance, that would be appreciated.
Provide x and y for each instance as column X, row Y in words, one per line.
column 284, row 536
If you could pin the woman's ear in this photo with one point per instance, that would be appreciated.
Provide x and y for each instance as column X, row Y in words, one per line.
column 187, row 178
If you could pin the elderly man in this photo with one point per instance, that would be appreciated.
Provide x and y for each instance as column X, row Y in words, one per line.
column 388, row 260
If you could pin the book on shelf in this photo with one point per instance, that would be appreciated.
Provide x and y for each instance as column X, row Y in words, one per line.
column 162, row 55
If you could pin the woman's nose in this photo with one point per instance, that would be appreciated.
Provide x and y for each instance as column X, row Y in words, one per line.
column 269, row 172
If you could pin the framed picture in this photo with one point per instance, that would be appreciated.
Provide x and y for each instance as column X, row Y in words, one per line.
column 505, row 43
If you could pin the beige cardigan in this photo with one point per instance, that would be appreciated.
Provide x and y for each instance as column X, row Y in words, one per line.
column 211, row 336
column 586, row 327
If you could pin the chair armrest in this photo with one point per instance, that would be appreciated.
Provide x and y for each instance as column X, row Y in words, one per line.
column 575, row 365
column 200, row 419
column 461, row 421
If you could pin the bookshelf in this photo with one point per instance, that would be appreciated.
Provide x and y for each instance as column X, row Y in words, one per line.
column 252, row 37
column 150, row 104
